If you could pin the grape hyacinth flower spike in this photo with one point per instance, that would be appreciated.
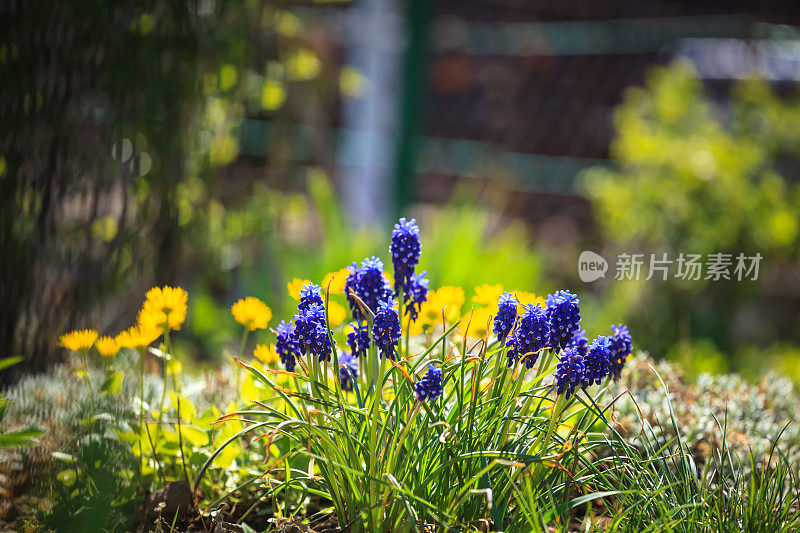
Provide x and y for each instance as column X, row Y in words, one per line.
column 530, row 337
column 570, row 371
column 621, row 348
column 348, row 370
column 358, row 339
column 430, row 386
column 312, row 332
column 286, row 345
column 309, row 296
column 417, row 293
column 597, row 361
column 506, row 316
column 564, row 316
column 405, row 250
column 386, row 330
column 372, row 286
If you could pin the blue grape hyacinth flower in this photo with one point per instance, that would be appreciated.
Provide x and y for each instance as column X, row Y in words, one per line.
column 597, row 361
column 286, row 345
column 348, row 370
column 621, row 348
column 312, row 332
column 386, row 330
column 430, row 386
column 372, row 287
column 564, row 316
column 405, row 250
column 358, row 339
column 506, row 316
column 530, row 337
column 417, row 293
column 570, row 371
column 310, row 295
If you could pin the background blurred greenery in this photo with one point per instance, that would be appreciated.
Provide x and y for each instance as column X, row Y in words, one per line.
column 692, row 176
column 124, row 163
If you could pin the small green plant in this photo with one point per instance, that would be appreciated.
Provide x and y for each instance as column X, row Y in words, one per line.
column 22, row 438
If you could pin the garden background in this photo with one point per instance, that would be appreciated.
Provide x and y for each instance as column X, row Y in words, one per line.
column 233, row 147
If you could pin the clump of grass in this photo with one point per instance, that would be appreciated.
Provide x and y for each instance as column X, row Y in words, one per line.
column 672, row 488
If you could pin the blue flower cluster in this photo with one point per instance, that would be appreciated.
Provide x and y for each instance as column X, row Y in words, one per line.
column 569, row 371
column 430, row 386
column 405, row 250
column 286, row 345
column 585, row 364
column 621, row 348
column 386, row 330
column 310, row 296
column 563, row 315
column 506, row 316
column 525, row 332
column 348, row 370
column 312, row 333
column 369, row 285
column 530, row 337
column 358, row 339
column 416, row 294
column 597, row 361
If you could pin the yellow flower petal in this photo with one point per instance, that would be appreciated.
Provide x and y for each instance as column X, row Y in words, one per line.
column 107, row 346
column 78, row 340
column 252, row 313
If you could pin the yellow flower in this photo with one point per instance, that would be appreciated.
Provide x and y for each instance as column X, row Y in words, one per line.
column 337, row 280
column 164, row 308
column 478, row 325
column 136, row 337
column 336, row 313
column 487, row 294
column 449, row 299
column 78, row 340
column 295, row 286
column 107, row 346
column 526, row 298
column 266, row 354
column 251, row 313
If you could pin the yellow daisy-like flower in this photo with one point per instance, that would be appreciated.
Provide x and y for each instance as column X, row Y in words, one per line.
column 136, row 337
column 526, row 298
column 252, row 313
column 336, row 313
column 107, row 346
column 295, row 286
column 337, row 280
column 78, row 340
column 164, row 308
column 266, row 354
column 487, row 294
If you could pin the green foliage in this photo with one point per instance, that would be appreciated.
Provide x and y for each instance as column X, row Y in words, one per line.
column 687, row 181
column 489, row 450
column 691, row 177
column 22, row 438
